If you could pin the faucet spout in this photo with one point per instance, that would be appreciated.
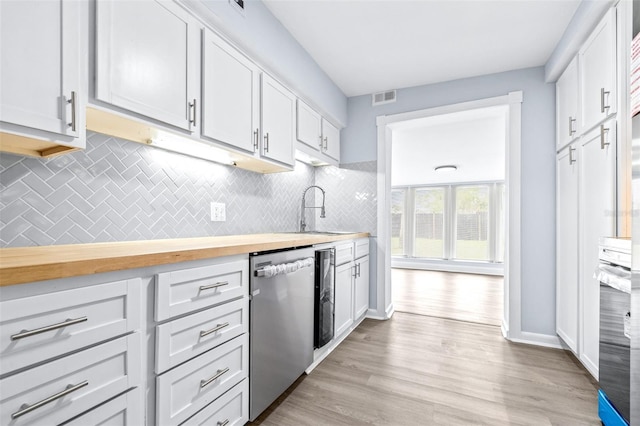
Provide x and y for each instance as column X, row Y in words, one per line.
column 303, row 207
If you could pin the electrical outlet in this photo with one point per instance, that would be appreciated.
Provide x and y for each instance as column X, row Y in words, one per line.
column 218, row 212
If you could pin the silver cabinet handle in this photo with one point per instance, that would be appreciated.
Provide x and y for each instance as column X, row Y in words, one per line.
column 192, row 112
column 326, row 143
column 571, row 159
column 72, row 101
column 223, row 423
column 207, row 382
column 355, row 271
column 216, row 285
column 255, row 143
column 214, row 329
column 266, row 142
column 25, row 409
column 603, row 130
column 602, row 105
column 51, row 327
column 571, row 129
column 359, row 264
column 321, row 140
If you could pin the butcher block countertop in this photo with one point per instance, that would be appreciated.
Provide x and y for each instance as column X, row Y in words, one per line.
column 29, row 264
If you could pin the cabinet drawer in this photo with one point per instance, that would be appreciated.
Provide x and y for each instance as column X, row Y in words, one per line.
column 362, row 247
column 187, row 290
column 188, row 388
column 230, row 409
column 65, row 321
column 124, row 410
column 89, row 377
column 182, row 339
column 344, row 253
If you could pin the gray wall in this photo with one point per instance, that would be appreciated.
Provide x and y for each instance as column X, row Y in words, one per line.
column 359, row 141
column 266, row 40
column 117, row 190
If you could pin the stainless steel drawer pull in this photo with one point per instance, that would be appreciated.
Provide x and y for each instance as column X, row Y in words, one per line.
column 571, row 159
column 207, row 382
column 266, row 142
column 603, row 130
column 216, row 285
column 192, row 112
column 51, row 327
column 72, row 101
column 326, row 143
column 603, row 107
column 224, row 423
column 25, row 409
column 255, row 144
column 214, row 329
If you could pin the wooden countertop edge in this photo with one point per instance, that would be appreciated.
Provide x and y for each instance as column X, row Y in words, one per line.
column 30, row 264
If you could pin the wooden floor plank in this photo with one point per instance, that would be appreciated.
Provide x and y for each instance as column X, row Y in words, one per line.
column 421, row 369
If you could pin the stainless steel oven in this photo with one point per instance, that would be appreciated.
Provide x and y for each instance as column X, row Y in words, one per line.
column 614, row 274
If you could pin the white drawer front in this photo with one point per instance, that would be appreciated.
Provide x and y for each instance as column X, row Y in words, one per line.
column 187, row 290
column 362, row 247
column 184, row 338
column 183, row 391
column 344, row 253
column 74, row 319
column 125, row 410
column 107, row 370
column 231, row 409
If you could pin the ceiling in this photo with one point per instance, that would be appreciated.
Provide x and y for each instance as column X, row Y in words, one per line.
column 373, row 46
column 473, row 141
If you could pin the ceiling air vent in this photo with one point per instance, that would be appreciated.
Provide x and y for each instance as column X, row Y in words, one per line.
column 383, row 97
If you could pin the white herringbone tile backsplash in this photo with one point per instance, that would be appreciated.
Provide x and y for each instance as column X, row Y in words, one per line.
column 117, row 190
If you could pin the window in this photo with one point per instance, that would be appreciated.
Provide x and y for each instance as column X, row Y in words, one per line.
column 429, row 222
column 472, row 223
column 397, row 222
column 451, row 222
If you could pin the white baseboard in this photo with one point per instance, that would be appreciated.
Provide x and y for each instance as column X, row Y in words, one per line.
column 590, row 366
column 505, row 330
column 389, row 312
column 546, row 340
column 450, row 266
column 374, row 314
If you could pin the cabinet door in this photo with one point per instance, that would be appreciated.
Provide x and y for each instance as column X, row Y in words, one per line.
column 147, row 55
column 343, row 315
column 41, row 67
column 230, row 95
column 597, row 213
column 567, row 246
column 308, row 129
column 331, row 140
column 567, row 105
column 278, row 119
column 597, row 60
column 362, row 287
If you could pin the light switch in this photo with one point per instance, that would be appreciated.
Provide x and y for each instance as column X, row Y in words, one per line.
column 218, row 212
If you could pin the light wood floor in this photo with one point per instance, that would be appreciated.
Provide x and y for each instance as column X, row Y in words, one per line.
column 464, row 297
column 421, row 370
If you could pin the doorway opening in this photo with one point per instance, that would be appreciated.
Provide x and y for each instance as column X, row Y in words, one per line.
column 447, row 214
column 435, row 243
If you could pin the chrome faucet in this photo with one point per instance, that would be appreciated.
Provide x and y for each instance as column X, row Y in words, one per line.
column 303, row 207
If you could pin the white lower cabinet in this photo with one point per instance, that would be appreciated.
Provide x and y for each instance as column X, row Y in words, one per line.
column 361, row 287
column 188, row 388
column 343, row 315
column 60, row 390
column 123, row 410
column 231, row 409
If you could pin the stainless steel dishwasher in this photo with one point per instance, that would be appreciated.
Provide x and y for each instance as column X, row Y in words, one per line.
column 281, row 323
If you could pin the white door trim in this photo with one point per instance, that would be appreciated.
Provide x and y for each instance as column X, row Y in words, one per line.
column 511, row 324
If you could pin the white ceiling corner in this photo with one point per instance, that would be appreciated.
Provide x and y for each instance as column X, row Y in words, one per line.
column 372, row 46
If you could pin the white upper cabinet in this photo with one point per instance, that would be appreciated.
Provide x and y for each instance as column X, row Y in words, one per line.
column 278, row 121
column 567, row 280
column 148, row 60
column 567, row 105
column 309, row 130
column 42, row 69
column 598, row 73
column 230, row 95
column 330, row 140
